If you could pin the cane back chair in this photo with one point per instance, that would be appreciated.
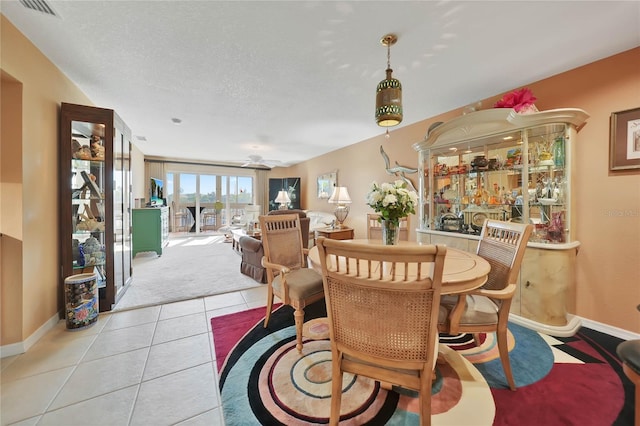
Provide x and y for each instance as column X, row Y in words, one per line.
column 382, row 306
column 486, row 309
column 287, row 274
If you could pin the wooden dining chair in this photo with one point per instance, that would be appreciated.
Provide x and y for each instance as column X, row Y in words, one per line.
column 374, row 227
column 288, row 276
column 486, row 309
column 382, row 307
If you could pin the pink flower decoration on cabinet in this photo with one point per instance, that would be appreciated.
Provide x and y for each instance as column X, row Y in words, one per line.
column 519, row 100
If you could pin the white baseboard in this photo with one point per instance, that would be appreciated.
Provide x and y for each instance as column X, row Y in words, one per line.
column 574, row 323
column 609, row 329
column 21, row 347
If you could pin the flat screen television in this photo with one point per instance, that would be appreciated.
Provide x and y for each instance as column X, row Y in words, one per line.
column 156, row 196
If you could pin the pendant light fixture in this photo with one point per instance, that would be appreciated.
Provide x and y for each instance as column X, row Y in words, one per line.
column 389, row 92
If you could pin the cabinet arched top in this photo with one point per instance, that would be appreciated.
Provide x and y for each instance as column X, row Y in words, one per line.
column 495, row 121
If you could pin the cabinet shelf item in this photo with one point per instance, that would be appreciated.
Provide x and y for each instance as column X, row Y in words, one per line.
column 95, row 199
column 499, row 164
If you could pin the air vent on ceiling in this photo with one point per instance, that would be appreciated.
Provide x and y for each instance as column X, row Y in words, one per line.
column 39, row 5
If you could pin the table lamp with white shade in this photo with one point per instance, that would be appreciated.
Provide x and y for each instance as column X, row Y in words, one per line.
column 283, row 199
column 341, row 198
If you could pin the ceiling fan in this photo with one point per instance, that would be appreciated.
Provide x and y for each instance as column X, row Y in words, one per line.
column 258, row 161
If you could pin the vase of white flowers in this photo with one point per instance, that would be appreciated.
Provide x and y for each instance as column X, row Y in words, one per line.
column 390, row 232
column 392, row 201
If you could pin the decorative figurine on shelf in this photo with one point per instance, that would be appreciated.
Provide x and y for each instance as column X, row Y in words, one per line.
column 97, row 150
column 555, row 231
column 543, row 153
column 90, row 246
column 81, row 152
column 75, row 250
column 558, row 152
column 80, row 255
column 75, row 147
column 479, row 162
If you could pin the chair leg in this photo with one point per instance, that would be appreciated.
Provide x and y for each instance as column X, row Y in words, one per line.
column 298, row 315
column 503, row 348
column 425, row 401
column 269, row 307
column 476, row 339
column 336, row 390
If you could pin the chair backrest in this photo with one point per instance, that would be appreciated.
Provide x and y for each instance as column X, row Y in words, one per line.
column 282, row 240
column 374, row 228
column 304, row 222
column 503, row 244
column 382, row 301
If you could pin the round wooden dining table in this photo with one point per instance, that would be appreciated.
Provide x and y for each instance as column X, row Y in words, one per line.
column 463, row 271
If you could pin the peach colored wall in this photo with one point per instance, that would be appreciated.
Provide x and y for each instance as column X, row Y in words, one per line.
column 608, row 204
column 10, row 208
column 358, row 166
column 44, row 87
column 608, row 278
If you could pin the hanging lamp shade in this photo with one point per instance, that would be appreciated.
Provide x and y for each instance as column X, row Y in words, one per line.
column 389, row 92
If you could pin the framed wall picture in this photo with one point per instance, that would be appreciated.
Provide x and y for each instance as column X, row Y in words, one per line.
column 291, row 185
column 326, row 183
column 624, row 142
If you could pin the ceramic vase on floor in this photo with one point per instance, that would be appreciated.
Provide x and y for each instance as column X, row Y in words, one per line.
column 390, row 232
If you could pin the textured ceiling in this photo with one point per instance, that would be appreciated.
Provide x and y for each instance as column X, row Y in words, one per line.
column 291, row 80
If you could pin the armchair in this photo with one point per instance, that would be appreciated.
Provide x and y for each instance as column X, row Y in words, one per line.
column 288, row 277
column 486, row 309
column 252, row 253
column 252, row 250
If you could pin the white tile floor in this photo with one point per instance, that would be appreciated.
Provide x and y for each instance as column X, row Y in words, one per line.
column 149, row 366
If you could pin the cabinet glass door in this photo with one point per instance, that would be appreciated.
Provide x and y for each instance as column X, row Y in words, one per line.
column 88, row 180
column 121, row 211
column 547, row 183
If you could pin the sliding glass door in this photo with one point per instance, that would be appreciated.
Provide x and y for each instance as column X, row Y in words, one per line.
column 206, row 202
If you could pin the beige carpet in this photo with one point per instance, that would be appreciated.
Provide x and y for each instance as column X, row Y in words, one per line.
column 190, row 266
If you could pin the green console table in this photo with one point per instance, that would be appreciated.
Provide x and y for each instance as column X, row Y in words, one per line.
column 150, row 229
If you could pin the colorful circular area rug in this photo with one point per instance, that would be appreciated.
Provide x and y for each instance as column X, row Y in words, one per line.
column 265, row 381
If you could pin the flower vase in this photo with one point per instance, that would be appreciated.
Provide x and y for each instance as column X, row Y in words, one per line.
column 390, row 232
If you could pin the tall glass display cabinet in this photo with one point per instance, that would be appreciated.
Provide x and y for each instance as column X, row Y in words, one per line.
column 95, row 199
column 500, row 164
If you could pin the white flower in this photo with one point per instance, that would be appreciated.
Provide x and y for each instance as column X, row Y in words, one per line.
column 392, row 200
